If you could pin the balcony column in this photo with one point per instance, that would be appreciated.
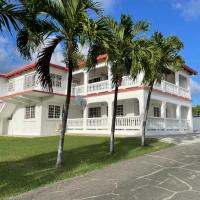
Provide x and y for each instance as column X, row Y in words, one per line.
column 109, row 77
column 178, row 116
column 177, row 81
column 85, row 116
column 85, row 82
column 163, row 114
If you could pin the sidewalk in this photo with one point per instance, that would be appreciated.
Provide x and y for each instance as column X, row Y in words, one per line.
column 171, row 174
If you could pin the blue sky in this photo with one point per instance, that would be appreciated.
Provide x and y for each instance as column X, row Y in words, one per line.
column 172, row 17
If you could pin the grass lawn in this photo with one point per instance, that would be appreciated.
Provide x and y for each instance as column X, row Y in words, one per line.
column 27, row 163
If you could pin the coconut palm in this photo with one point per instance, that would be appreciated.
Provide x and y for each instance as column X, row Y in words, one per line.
column 165, row 58
column 67, row 23
column 9, row 16
column 121, row 55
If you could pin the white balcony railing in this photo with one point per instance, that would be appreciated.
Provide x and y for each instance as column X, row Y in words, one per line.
column 170, row 87
column 28, row 82
column 101, row 86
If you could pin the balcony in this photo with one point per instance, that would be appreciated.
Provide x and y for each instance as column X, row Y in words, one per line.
column 28, row 82
column 127, row 82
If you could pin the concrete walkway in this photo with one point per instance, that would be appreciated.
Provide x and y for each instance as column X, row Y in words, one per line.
column 171, row 174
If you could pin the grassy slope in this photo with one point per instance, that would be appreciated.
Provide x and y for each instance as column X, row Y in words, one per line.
column 27, row 163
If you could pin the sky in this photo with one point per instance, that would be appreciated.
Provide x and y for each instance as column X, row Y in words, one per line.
column 172, row 17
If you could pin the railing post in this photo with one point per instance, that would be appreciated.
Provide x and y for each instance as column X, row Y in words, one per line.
column 85, row 82
column 163, row 114
column 178, row 116
column 85, row 116
column 109, row 78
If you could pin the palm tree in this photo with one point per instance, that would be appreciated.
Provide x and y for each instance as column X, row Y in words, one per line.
column 60, row 22
column 165, row 57
column 120, row 54
column 9, row 16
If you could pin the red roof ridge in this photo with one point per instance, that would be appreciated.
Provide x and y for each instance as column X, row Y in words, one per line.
column 29, row 67
column 190, row 70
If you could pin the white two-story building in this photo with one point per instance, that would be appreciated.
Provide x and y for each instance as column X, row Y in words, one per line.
column 28, row 109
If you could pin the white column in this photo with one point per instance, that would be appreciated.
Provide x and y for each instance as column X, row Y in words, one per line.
column 178, row 116
column 163, row 114
column 177, row 81
column 85, row 82
column 110, row 112
column 85, row 116
column 190, row 118
column 109, row 77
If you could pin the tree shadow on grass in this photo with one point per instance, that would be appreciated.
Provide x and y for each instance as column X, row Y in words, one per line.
column 23, row 175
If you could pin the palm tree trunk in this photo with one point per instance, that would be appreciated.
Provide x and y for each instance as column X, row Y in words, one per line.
column 112, row 137
column 60, row 160
column 146, row 114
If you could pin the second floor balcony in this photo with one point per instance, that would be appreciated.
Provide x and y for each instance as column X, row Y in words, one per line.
column 29, row 82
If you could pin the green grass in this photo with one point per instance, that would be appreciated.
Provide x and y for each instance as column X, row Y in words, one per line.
column 27, row 163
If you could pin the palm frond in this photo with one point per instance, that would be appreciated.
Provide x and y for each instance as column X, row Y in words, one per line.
column 43, row 62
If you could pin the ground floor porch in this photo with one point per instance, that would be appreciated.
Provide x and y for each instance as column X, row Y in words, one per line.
column 163, row 118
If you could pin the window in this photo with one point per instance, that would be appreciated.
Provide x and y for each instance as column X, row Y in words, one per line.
column 94, row 112
column 120, row 110
column 29, row 81
column 30, row 112
column 54, row 112
column 156, row 112
column 11, row 86
column 95, row 80
column 56, row 80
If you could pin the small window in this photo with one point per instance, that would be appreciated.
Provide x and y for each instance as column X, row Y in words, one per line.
column 56, row 80
column 95, row 80
column 30, row 112
column 94, row 112
column 11, row 86
column 120, row 110
column 29, row 81
column 54, row 112
column 156, row 112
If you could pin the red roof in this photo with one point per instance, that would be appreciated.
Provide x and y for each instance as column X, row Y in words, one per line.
column 27, row 68
column 190, row 70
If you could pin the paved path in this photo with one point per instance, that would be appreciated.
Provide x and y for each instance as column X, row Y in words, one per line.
column 171, row 174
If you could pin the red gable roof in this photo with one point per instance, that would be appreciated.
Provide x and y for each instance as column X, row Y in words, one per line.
column 81, row 64
column 27, row 68
column 190, row 70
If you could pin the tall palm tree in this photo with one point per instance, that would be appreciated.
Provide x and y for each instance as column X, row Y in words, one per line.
column 9, row 16
column 165, row 58
column 120, row 54
column 67, row 23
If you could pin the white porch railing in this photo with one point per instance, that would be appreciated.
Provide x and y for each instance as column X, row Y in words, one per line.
column 124, row 123
column 185, row 124
column 101, row 86
column 172, row 124
column 130, row 123
column 97, row 123
column 76, row 124
column 155, row 123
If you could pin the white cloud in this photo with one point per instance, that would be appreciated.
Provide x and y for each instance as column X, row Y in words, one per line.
column 189, row 9
column 195, row 88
